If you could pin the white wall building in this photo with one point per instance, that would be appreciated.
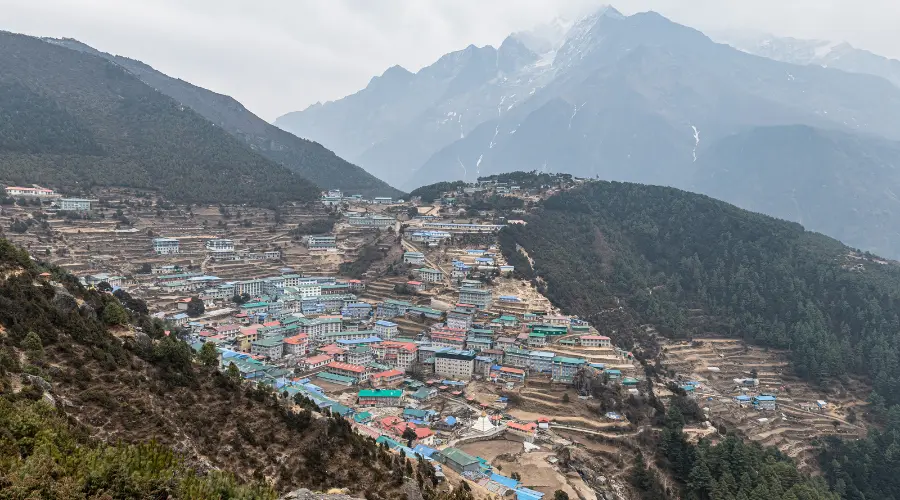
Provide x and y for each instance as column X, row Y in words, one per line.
column 166, row 246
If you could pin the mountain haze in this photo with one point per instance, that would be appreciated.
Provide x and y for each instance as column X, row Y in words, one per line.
column 838, row 55
column 306, row 158
column 631, row 98
column 72, row 120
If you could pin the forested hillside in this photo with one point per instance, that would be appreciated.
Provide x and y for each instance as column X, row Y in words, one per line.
column 664, row 252
column 74, row 373
column 71, row 121
column 306, row 158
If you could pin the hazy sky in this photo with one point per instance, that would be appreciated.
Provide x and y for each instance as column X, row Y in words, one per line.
column 277, row 56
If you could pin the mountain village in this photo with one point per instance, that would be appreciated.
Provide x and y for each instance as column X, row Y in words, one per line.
column 434, row 349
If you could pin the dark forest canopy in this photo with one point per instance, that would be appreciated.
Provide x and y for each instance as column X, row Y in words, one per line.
column 72, row 121
column 432, row 192
column 665, row 251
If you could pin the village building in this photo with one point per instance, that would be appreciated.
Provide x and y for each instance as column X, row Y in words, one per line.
column 429, row 275
column 334, row 378
column 272, row 348
column 370, row 221
column 516, row 357
column 391, row 308
column 414, row 258
column 221, row 249
column 508, row 374
column 454, row 364
column 316, row 362
column 540, row 361
column 563, row 368
column 477, row 297
column 229, row 331
column 417, row 286
column 30, row 192
column 380, row 397
column 526, row 431
column 463, row 228
column 387, row 330
column 321, row 241
column 296, row 345
column 358, row 372
column 389, row 378
column 459, row 318
column 166, row 246
column 595, row 341
column 80, row 205
column 457, row 460
column 537, row 340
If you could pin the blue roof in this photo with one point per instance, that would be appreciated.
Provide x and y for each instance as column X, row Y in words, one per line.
column 451, row 420
column 367, row 340
column 382, row 322
column 742, row 397
column 423, row 450
column 505, row 481
column 526, row 494
column 765, row 398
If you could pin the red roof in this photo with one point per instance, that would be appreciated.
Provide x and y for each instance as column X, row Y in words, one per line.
column 414, row 283
column 423, row 432
column 272, row 323
column 337, row 365
column 226, row 328
column 300, row 338
column 389, row 373
column 507, row 369
column 529, row 427
column 388, row 422
column 332, row 349
column 321, row 358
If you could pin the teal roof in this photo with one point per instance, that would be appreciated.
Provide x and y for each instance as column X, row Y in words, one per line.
column 362, row 417
column 380, row 393
column 568, row 361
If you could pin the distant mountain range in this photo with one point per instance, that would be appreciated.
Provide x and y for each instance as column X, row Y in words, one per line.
column 828, row 54
column 633, row 98
column 306, row 158
column 72, row 121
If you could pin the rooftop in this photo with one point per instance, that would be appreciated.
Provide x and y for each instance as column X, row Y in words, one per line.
column 380, row 393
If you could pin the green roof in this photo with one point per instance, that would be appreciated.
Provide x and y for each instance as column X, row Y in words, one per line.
column 537, row 335
column 271, row 342
column 362, row 417
column 568, row 361
column 333, row 377
column 427, row 310
column 380, row 393
column 507, row 318
column 458, row 456
column 364, row 333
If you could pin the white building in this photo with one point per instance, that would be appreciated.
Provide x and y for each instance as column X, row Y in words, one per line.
column 220, row 248
column 386, row 329
column 249, row 287
column 475, row 296
column 166, row 246
column 429, row 275
column 321, row 241
column 454, row 364
column 30, row 192
column 371, row 221
column 76, row 204
column 414, row 258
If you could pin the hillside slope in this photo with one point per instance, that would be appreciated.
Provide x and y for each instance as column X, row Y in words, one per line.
column 665, row 252
column 308, row 159
column 72, row 121
column 118, row 384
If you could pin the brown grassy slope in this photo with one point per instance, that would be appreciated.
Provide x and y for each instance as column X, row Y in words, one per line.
column 214, row 424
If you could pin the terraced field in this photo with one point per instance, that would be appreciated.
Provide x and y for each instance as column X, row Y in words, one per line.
column 797, row 421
